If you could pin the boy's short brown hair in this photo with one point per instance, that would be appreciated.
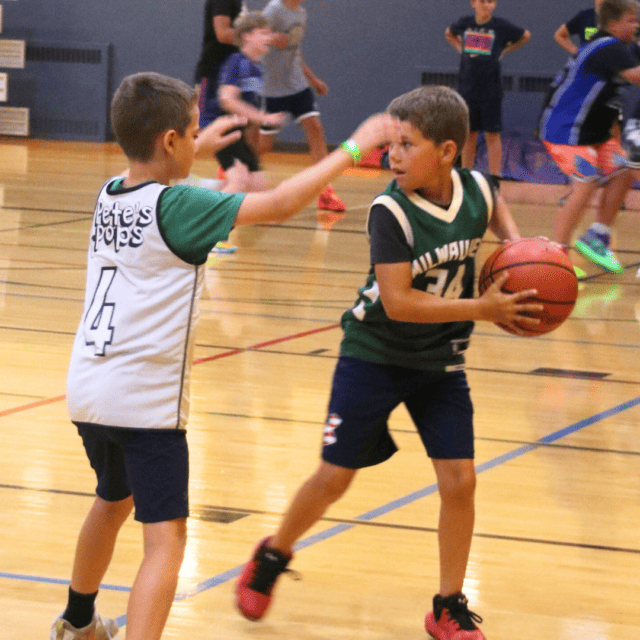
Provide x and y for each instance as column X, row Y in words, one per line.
column 248, row 22
column 438, row 112
column 146, row 105
column 610, row 10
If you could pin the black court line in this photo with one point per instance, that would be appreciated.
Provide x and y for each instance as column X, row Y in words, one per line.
column 226, row 515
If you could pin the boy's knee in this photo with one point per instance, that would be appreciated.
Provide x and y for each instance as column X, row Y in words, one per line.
column 333, row 480
column 457, row 483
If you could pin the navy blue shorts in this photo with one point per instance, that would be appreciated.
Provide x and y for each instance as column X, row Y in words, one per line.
column 300, row 105
column 241, row 150
column 363, row 396
column 151, row 464
column 485, row 113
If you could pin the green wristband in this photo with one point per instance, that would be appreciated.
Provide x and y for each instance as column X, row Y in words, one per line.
column 352, row 148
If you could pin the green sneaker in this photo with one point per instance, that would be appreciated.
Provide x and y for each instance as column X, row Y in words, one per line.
column 591, row 246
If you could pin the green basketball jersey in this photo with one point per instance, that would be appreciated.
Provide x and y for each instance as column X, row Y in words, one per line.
column 444, row 243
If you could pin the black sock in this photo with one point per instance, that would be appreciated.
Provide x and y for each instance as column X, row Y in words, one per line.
column 80, row 608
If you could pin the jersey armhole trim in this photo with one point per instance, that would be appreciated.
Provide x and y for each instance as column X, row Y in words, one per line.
column 389, row 203
column 486, row 192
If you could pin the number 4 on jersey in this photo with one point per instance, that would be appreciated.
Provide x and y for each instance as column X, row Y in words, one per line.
column 98, row 329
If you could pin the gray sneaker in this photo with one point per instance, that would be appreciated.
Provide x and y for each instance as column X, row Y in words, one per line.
column 98, row 629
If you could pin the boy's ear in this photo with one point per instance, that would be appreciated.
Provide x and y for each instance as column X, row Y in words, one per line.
column 449, row 151
column 168, row 140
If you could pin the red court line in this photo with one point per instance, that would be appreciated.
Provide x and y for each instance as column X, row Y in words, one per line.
column 33, row 405
column 233, row 352
column 266, row 344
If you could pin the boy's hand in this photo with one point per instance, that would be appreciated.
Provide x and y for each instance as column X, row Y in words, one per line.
column 376, row 131
column 214, row 136
column 320, row 87
column 273, row 119
column 507, row 308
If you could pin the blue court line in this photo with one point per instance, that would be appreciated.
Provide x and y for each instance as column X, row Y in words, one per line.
column 20, row 576
column 221, row 578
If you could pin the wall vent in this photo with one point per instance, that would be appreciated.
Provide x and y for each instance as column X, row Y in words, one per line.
column 441, row 78
column 507, row 83
column 65, row 129
column 12, row 54
column 14, row 121
column 63, row 54
column 534, row 83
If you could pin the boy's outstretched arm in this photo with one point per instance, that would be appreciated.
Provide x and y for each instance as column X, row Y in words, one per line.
column 215, row 136
column 230, row 100
column 290, row 196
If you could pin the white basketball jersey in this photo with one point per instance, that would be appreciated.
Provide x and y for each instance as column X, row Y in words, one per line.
column 131, row 359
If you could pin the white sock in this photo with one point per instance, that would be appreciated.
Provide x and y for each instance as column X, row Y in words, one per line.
column 601, row 228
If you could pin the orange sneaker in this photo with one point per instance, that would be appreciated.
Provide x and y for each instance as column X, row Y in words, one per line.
column 452, row 620
column 329, row 201
column 326, row 219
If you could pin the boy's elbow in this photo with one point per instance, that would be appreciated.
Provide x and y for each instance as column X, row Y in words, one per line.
column 393, row 310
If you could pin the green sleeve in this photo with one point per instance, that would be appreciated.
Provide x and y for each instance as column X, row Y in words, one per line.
column 192, row 220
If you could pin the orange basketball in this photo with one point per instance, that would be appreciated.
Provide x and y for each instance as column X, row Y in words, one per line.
column 534, row 263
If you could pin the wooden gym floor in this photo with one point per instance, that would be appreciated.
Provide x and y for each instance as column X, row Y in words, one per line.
column 556, row 553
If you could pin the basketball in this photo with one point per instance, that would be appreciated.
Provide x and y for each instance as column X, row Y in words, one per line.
column 535, row 263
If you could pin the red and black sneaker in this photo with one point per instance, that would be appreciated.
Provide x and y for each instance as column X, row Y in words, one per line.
column 452, row 620
column 256, row 582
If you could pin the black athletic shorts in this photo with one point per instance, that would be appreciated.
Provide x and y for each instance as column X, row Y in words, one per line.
column 151, row 464
column 363, row 395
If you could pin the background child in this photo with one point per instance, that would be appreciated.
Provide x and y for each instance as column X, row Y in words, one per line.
column 582, row 26
column 404, row 342
column 288, row 85
column 128, row 381
column 218, row 43
column 240, row 93
column 576, row 128
column 483, row 40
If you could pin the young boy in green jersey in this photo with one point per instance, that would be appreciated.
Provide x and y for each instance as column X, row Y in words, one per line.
column 128, row 381
column 404, row 342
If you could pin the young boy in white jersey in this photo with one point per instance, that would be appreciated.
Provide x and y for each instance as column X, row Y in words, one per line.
column 404, row 342
column 128, row 381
